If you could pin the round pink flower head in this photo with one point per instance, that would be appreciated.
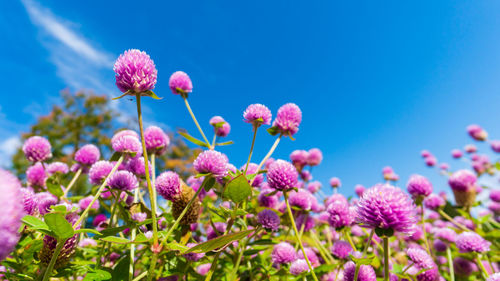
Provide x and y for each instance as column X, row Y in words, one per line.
column 87, row 154
column 180, row 83
column 282, row 175
column 431, row 161
column 123, row 180
column 359, row 189
column 425, row 153
column 314, row 186
column 434, row 202
column 340, row 214
column 36, row 176
column 463, row 267
column 335, row 182
column 126, row 142
column 476, row 132
column 311, row 256
column 446, row 234
column 315, row 157
column 456, row 153
column 221, row 127
column 220, row 228
column 99, row 171
column 193, row 256
column 298, row 266
column 299, row 158
column 37, row 149
column 419, row 186
column 267, row 201
column 138, row 166
column 366, row 272
column 472, row 242
column 156, row 140
column 212, row 162
column 57, row 167
column 45, row 201
column 462, row 180
column 203, row 269
column 268, row 219
column 301, row 199
column 288, row 119
column 494, row 277
column 386, row 207
column 168, row 185
column 341, row 249
column 12, row 212
column 257, row 114
column 470, row 148
column 422, row 261
column 495, row 145
column 495, row 195
column 135, row 72
column 85, row 202
column 252, row 169
column 30, row 202
column 283, row 253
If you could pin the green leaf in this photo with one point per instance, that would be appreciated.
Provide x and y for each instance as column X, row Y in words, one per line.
column 115, row 239
column 224, row 143
column 193, row 139
column 141, row 238
column 124, row 94
column 209, row 183
column 325, row 268
column 59, row 225
column 120, row 272
column 98, row 275
column 115, row 230
column 174, row 246
column 115, row 156
column 238, row 189
column 218, row 242
column 497, row 165
column 87, row 230
column 273, row 131
column 362, row 261
column 153, row 95
column 54, row 187
column 35, row 223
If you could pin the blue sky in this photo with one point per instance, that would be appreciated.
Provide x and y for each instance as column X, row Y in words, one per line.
column 376, row 83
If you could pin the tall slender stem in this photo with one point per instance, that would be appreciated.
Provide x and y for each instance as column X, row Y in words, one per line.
column 349, row 239
column 153, row 177
column 251, row 148
column 233, row 273
column 132, row 245
column 450, row 263
column 480, row 265
column 290, row 215
column 99, row 191
column 72, row 182
column 356, row 271
column 422, row 218
column 273, row 148
column 55, row 254
column 195, row 121
column 386, row 259
column 446, row 216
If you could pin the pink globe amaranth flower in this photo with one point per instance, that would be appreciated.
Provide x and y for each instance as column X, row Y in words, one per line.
column 477, row 133
column 123, row 180
column 139, row 217
column 494, row 277
column 359, row 189
column 87, row 242
column 45, row 201
column 135, row 72
column 341, row 249
column 36, row 176
column 470, row 148
column 311, row 256
column 366, row 272
column 211, row 162
column 306, row 220
column 193, row 256
column 462, row 180
column 387, row 207
column 282, row 175
column 257, row 114
column 99, row 171
column 288, row 119
column 37, row 149
column 463, row 267
column 220, row 228
column 252, row 170
column 168, row 185
column 314, row 186
column 472, row 242
column 495, row 195
column 138, row 166
column 421, row 260
column 301, row 199
column 298, row 266
column 180, row 83
column 434, row 202
column 456, row 153
column 12, row 212
column 87, row 154
column 336, row 197
column 127, row 144
column 30, row 202
column 425, row 153
column 57, row 167
column 85, row 202
column 283, row 253
column 431, row 161
column 156, row 140
column 221, row 127
column 315, row 157
column 203, row 269
column 340, row 214
column 69, row 248
column 267, row 201
column 446, row 234
column 419, row 186
column 100, row 218
column 268, row 219
column 335, row 182
column 444, row 166
column 494, row 207
column 495, row 145
column 299, row 158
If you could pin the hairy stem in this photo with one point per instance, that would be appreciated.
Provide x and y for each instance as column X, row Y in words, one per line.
column 72, row 182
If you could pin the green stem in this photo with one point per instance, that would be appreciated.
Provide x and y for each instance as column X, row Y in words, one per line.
column 480, row 264
column 233, row 273
column 195, row 121
column 212, row 267
column 153, row 176
column 273, row 148
column 72, row 182
column 450, row 263
column 290, row 215
column 251, row 148
column 445, row 215
column 132, row 245
column 300, row 234
column 50, row 267
column 356, row 271
column 422, row 218
column 107, row 248
column 386, row 259
column 99, row 191
column 142, row 275
column 349, row 239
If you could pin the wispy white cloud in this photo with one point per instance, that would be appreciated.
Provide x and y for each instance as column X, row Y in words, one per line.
column 7, row 148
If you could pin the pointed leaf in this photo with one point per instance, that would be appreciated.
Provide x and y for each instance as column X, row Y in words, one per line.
column 54, row 187
column 116, row 240
column 218, row 242
column 193, row 139
column 87, row 230
column 238, row 189
column 224, row 143
column 59, row 225
column 153, row 95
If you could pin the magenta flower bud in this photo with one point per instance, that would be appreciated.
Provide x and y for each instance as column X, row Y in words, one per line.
column 203, row 269
column 138, row 166
column 267, row 201
column 193, row 256
column 282, row 175
column 288, row 119
column 180, row 83
column 99, row 171
column 156, row 140
column 45, row 201
column 315, row 157
column 87, row 154
column 87, row 242
column 85, row 202
column 472, row 242
column 126, row 143
column 477, row 133
column 298, row 266
column 37, row 149
column 305, row 221
column 135, row 72
column 425, row 153
column 139, row 217
column 335, row 182
column 221, row 127
column 211, row 162
column 268, row 219
column 366, row 272
column 36, row 176
column 495, row 195
column 257, row 114
column 444, row 166
column 299, row 158
column 12, row 212
column 456, row 153
column 283, row 253
column 168, row 185
column 100, row 218
column 359, row 189
column 341, row 249
column 57, row 167
column 314, row 186
column 434, row 202
column 470, row 148
column 123, row 180
column 419, row 186
column 30, row 202
column 387, row 207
